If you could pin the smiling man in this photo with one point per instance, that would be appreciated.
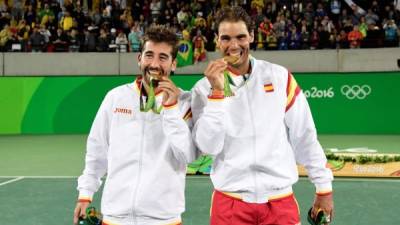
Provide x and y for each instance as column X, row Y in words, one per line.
column 141, row 139
column 253, row 119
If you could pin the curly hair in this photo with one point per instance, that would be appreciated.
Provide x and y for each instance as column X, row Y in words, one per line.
column 161, row 34
column 233, row 14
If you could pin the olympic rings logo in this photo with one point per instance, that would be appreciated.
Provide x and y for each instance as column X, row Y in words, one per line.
column 356, row 91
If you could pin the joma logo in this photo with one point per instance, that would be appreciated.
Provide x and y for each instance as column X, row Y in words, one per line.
column 123, row 111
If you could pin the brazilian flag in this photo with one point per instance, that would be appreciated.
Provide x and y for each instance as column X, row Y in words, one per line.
column 185, row 53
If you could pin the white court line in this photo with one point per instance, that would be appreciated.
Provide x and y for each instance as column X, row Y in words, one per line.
column 345, row 179
column 11, row 181
column 41, row 177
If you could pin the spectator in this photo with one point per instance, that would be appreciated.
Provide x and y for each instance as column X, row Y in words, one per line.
column 375, row 7
column 280, row 25
column 60, row 41
column 332, row 39
column 122, row 42
column 348, row 26
column 136, row 9
column 323, row 37
column 30, row 15
column 388, row 13
column 259, row 17
column 374, row 37
column 23, row 32
column 355, row 37
column 305, row 38
column 37, row 40
column 67, row 21
column 199, row 42
column 266, row 26
column 79, row 18
column 269, row 13
column 4, row 36
column 200, row 22
column 182, row 15
column 335, row 10
column 341, row 40
column 74, row 40
column 363, row 27
column 103, row 41
column 52, row 25
column 17, row 11
column 320, row 11
column 327, row 24
column 142, row 23
column 314, row 40
column 195, row 6
column 210, row 36
column 146, row 9
column 126, row 20
column 260, row 39
column 90, row 41
column 155, row 7
column 46, row 33
column 371, row 17
column 357, row 14
column 297, row 6
column 96, row 17
column 45, row 13
column 309, row 13
column 135, row 38
column 283, row 41
column 272, row 41
column 391, row 38
column 344, row 18
column 294, row 37
column 112, row 36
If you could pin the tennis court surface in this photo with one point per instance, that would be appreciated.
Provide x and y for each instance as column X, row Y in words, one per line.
column 38, row 181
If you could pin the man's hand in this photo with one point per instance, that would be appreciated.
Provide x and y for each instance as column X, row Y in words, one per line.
column 80, row 211
column 214, row 73
column 171, row 92
column 324, row 203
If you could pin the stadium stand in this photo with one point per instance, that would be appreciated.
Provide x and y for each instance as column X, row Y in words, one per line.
column 118, row 25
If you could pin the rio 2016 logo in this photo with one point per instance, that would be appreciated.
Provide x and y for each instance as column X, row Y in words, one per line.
column 356, row 91
column 314, row 92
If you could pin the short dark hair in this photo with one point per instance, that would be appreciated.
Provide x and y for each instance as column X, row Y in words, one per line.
column 233, row 14
column 159, row 34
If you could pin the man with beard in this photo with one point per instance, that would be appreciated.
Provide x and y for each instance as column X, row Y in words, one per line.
column 253, row 119
column 141, row 139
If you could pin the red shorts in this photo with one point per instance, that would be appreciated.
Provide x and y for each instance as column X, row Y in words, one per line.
column 227, row 210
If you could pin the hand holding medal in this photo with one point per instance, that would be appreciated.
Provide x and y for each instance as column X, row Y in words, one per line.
column 152, row 81
column 231, row 60
column 218, row 75
column 170, row 91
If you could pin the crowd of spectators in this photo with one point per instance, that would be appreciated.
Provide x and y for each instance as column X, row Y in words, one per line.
column 118, row 25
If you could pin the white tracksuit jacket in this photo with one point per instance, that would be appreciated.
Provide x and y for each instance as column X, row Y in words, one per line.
column 144, row 156
column 257, row 136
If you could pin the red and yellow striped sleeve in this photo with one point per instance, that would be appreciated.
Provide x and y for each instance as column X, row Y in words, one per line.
column 324, row 192
column 292, row 90
column 84, row 199
column 188, row 115
column 170, row 106
column 216, row 95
